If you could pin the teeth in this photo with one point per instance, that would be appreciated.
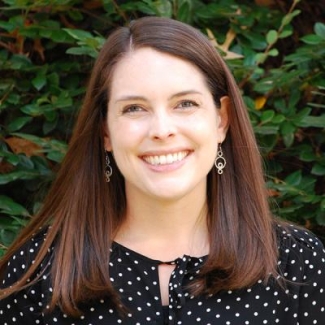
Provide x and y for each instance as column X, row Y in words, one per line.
column 166, row 159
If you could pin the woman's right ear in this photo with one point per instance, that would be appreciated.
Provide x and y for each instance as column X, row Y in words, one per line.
column 107, row 141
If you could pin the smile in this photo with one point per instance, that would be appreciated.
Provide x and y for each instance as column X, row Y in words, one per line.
column 166, row 159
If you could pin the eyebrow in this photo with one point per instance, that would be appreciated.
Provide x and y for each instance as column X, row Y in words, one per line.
column 142, row 98
column 184, row 93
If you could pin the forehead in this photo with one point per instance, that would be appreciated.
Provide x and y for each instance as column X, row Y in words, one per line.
column 146, row 67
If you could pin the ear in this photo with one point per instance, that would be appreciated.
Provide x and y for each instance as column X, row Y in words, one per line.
column 107, row 141
column 223, row 113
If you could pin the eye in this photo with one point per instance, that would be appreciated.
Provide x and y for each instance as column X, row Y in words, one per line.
column 130, row 109
column 187, row 104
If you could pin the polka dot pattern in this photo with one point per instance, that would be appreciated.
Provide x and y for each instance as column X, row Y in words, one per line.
column 300, row 302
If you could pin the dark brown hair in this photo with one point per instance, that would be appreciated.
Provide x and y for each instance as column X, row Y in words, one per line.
column 84, row 211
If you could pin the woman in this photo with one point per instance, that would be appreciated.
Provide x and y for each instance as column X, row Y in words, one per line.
column 159, row 213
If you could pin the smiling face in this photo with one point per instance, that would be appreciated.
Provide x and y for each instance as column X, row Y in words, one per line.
column 162, row 125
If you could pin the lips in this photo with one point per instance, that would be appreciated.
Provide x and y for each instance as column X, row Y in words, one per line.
column 166, row 159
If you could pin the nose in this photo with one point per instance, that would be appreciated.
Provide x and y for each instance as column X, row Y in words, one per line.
column 162, row 126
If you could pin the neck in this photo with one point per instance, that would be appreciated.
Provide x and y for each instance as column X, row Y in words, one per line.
column 165, row 230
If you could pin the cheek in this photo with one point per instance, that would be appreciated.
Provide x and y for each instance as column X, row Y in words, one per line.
column 125, row 134
column 206, row 127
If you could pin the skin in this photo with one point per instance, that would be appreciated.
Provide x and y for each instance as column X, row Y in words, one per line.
column 163, row 129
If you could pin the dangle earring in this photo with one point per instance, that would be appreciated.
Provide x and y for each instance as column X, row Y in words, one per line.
column 108, row 168
column 220, row 161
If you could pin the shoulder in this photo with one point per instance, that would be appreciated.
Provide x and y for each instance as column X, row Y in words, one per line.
column 298, row 237
column 24, row 257
column 299, row 251
column 30, row 248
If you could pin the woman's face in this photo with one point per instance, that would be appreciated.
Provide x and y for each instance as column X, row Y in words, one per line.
column 163, row 126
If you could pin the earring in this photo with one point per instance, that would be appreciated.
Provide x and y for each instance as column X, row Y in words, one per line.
column 108, row 168
column 220, row 161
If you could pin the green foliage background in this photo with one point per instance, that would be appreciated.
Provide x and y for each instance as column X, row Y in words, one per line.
column 276, row 52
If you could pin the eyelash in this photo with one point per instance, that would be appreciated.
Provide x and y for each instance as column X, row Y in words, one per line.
column 184, row 104
column 191, row 102
column 131, row 109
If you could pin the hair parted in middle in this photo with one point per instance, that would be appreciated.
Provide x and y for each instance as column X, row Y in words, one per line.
column 242, row 236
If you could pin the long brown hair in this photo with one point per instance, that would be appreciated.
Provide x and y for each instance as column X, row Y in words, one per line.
column 84, row 211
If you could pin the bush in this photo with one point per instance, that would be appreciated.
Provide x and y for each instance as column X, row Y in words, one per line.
column 276, row 53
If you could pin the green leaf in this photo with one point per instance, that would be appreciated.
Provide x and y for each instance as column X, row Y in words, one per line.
column 19, row 62
column 163, row 8
column 50, row 23
column 53, row 79
column 50, row 114
column 318, row 170
column 82, row 51
column 260, row 58
column 294, row 179
column 25, row 162
column 59, row 36
column 288, row 139
column 312, row 39
column 6, row 238
column 184, row 11
column 44, row 99
column 7, row 222
column 267, row 143
column 267, row 116
column 290, row 209
column 308, row 199
column 41, row 164
column 13, row 159
column 19, row 221
column 287, row 128
column 263, row 129
column 286, row 33
column 64, row 100
column 273, row 52
column 288, row 18
column 313, row 121
column 39, row 81
column 14, row 98
column 32, row 110
column 56, row 156
column 295, row 95
column 8, row 206
column 50, row 125
column 33, row 138
column 18, row 123
column 320, row 30
column 8, row 26
column 307, row 156
column 256, row 41
column 18, row 175
column 271, row 36
column 9, row 228
column 279, row 118
column 78, row 34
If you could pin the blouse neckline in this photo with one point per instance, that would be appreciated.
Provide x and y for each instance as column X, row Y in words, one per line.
column 129, row 251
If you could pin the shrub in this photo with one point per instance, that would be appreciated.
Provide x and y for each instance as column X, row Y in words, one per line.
column 276, row 53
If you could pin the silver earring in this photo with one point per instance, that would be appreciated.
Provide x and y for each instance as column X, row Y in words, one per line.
column 220, row 161
column 108, row 168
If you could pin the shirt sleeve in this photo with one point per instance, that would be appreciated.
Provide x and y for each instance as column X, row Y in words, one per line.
column 26, row 306
column 312, row 291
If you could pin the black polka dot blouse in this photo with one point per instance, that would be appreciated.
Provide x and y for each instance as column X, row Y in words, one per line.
column 135, row 277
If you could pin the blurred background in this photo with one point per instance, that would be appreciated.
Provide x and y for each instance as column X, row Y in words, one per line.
column 275, row 49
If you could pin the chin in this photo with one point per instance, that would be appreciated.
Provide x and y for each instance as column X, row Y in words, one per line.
column 170, row 194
